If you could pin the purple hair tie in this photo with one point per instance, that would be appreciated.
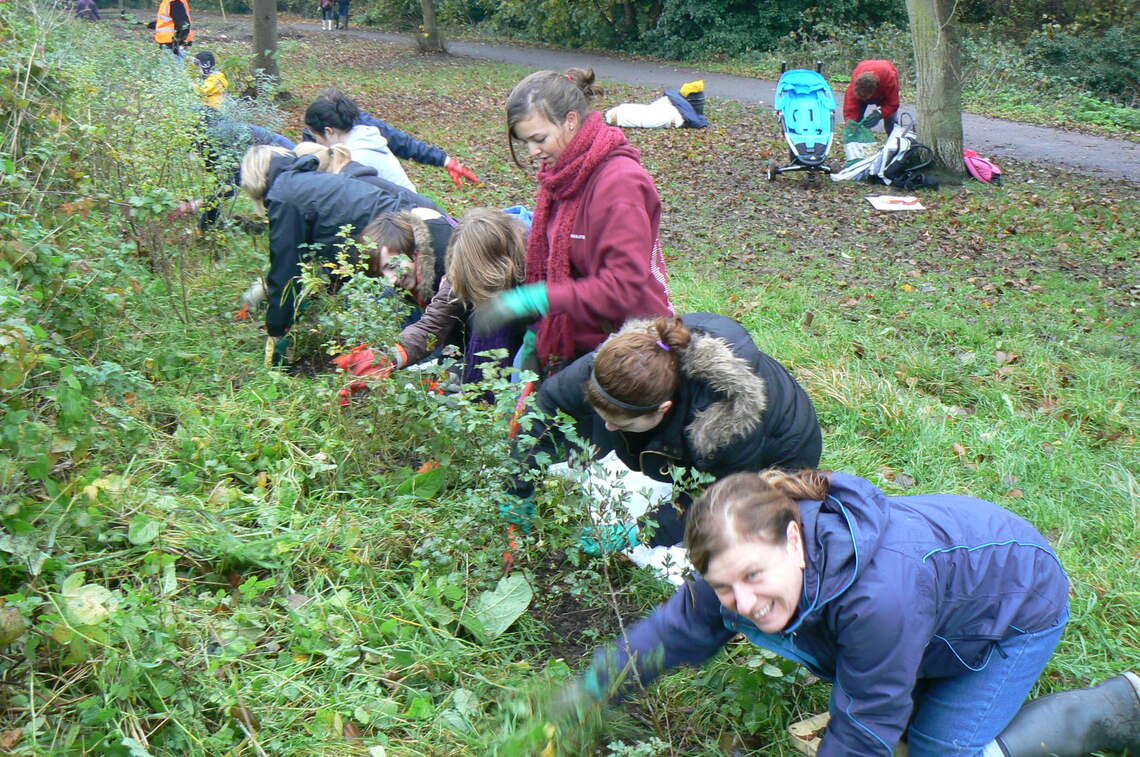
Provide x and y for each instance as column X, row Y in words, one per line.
column 662, row 345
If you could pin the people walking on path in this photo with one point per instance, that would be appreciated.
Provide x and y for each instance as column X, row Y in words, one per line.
column 328, row 14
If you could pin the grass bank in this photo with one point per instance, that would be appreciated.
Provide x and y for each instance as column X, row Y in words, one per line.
column 225, row 562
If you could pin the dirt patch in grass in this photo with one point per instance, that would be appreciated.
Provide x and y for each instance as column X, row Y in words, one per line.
column 577, row 624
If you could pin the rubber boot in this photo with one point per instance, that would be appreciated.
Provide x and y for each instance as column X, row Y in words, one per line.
column 1104, row 718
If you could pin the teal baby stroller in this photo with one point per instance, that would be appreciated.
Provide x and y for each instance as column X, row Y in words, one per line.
column 805, row 104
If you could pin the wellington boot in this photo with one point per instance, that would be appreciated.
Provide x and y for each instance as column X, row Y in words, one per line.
column 1104, row 718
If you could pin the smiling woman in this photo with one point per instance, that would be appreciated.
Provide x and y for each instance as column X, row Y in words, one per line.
column 594, row 257
column 932, row 616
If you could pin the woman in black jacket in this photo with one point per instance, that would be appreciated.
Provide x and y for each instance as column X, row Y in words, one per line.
column 693, row 392
column 338, row 159
column 307, row 210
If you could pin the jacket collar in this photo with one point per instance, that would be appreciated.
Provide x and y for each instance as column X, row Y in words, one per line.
column 279, row 164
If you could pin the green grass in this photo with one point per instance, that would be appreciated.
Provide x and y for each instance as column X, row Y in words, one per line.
column 299, row 595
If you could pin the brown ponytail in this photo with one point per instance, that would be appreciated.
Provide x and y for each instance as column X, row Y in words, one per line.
column 552, row 94
column 640, row 367
column 749, row 507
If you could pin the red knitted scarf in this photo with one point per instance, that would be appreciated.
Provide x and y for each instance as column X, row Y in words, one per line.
column 563, row 182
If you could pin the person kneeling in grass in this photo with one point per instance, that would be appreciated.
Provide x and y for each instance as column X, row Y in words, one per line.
column 931, row 615
column 693, row 392
column 446, row 272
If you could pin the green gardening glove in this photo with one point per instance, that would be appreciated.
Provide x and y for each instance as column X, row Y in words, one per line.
column 872, row 120
column 519, row 512
column 523, row 303
column 526, row 359
column 608, row 539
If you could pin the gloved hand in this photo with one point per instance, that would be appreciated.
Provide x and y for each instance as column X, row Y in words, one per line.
column 459, row 172
column 362, row 361
column 526, row 359
column 523, row 303
column 519, row 512
column 278, row 350
column 873, row 119
column 575, row 699
column 608, row 539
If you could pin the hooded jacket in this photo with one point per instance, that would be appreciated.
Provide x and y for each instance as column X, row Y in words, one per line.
column 404, row 145
column 736, row 409
column 886, row 96
column 895, row 590
column 617, row 267
column 406, row 199
column 444, row 319
column 307, row 209
column 369, row 147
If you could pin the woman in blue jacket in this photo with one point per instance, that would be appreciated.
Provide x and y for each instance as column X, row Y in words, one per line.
column 931, row 615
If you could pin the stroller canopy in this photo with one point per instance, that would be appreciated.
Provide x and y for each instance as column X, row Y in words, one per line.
column 806, row 103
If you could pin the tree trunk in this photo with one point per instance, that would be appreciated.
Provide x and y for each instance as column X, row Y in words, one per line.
column 265, row 37
column 937, row 60
column 430, row 40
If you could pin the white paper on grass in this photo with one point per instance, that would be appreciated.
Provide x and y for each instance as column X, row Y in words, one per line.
column 639, row 494
column 895, row 202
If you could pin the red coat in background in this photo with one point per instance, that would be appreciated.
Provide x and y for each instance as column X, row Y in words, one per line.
column 886, row 96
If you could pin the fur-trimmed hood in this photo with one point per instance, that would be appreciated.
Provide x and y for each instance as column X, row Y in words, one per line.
column 423, row 259
column 710, row 359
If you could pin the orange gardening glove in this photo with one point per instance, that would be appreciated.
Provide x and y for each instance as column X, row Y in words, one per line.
column 363, row 362
column 344, row 396
column 459, row 172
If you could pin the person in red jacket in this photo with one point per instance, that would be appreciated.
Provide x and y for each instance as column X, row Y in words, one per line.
column 594, row 257
column 873, row 82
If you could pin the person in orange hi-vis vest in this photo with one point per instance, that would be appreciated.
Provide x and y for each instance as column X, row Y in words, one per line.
column 172, row 26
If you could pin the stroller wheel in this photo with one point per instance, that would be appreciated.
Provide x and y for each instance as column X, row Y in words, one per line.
column 771, row 172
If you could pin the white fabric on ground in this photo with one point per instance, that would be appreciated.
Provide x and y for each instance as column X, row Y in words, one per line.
column 656, row 115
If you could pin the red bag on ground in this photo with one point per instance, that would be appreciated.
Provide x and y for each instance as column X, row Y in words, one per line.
column 983, row 170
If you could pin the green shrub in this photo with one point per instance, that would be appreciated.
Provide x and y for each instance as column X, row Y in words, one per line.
column 1106, row 63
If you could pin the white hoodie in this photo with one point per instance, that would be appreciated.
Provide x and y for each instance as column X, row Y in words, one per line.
column 369, row 147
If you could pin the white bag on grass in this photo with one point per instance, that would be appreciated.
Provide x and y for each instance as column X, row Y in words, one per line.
column 656, row 115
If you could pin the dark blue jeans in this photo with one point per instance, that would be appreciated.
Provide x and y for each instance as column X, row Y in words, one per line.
column 957, row 717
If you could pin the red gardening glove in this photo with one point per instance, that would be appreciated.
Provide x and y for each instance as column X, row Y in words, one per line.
column 361, row 361
column 459, row 172
column 243, row 314
column 344, row 396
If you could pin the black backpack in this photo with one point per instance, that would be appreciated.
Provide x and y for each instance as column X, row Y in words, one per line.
column 906, row 170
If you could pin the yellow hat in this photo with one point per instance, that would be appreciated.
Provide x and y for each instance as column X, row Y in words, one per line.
column 689, row 88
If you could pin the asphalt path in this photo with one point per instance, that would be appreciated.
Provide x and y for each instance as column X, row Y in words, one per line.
column 995, row 138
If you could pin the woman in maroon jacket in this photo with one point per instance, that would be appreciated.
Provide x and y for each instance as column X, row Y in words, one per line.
column 873, row 82
column 594, row 256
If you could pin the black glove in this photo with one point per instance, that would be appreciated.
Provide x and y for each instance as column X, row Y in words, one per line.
column 872, row 120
